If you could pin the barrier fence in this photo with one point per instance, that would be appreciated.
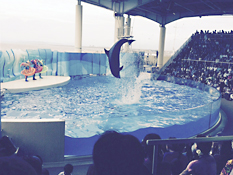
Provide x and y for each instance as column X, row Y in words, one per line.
column 155, row 144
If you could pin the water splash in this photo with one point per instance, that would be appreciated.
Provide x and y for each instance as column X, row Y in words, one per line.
column 131, row 94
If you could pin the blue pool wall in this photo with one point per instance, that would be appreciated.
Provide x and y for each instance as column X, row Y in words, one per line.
column 58, row 63
column 62, row 63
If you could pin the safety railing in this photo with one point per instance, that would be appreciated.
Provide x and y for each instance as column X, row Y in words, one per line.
column 157, row 142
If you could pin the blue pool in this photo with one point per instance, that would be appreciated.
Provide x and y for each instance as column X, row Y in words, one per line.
column 92, row 105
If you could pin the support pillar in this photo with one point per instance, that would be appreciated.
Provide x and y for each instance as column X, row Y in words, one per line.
column 161, row 46
column 127, row 32
column 78, row 27
column 119, row 26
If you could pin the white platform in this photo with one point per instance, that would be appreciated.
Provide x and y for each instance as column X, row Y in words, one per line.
column 21, row 85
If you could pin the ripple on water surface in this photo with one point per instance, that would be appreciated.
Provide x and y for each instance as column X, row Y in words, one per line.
column 94, row 104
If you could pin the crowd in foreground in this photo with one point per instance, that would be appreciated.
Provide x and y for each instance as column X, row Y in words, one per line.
column 207, row 58
column 118, row 154
column 123, row 154
column 13, row 161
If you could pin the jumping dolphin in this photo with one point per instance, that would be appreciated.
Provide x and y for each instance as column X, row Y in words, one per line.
column 113, row 57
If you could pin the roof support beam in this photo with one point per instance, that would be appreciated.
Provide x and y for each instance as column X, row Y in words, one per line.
column 184, row 7
column 130, row 5
column 208, row 5
column 215, row 5
column 166, row 11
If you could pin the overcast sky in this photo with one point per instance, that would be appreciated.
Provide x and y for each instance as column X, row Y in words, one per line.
column 53, row 21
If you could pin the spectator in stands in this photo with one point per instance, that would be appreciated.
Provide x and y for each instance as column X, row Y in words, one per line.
column 164, row 168
column 68, row 169
column 149, row 151
column 188, row 151
column 175, row 157
column 14, row 165
column 91, row 170
column 221, row 86
column 118, row 154
column 205, row 165
column 7, row 147
column 225, row 154
column 207, row 58
column 36, row 162
column 45, row 172
column 215, row 150
column 228, row 169
column 108, row 135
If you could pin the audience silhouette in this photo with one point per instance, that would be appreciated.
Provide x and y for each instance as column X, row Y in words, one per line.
column 205, row 164
column 118, row 154
column 68, row 169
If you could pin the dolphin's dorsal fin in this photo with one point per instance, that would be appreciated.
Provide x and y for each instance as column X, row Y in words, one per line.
column 106, row 52
column 121, row 68
column 130, row 41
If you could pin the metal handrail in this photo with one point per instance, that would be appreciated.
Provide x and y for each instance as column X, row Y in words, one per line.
column 220, row 62
column 189, row 140
column 156, row 142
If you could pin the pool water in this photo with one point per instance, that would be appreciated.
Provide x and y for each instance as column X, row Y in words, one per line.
column 92, row 105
